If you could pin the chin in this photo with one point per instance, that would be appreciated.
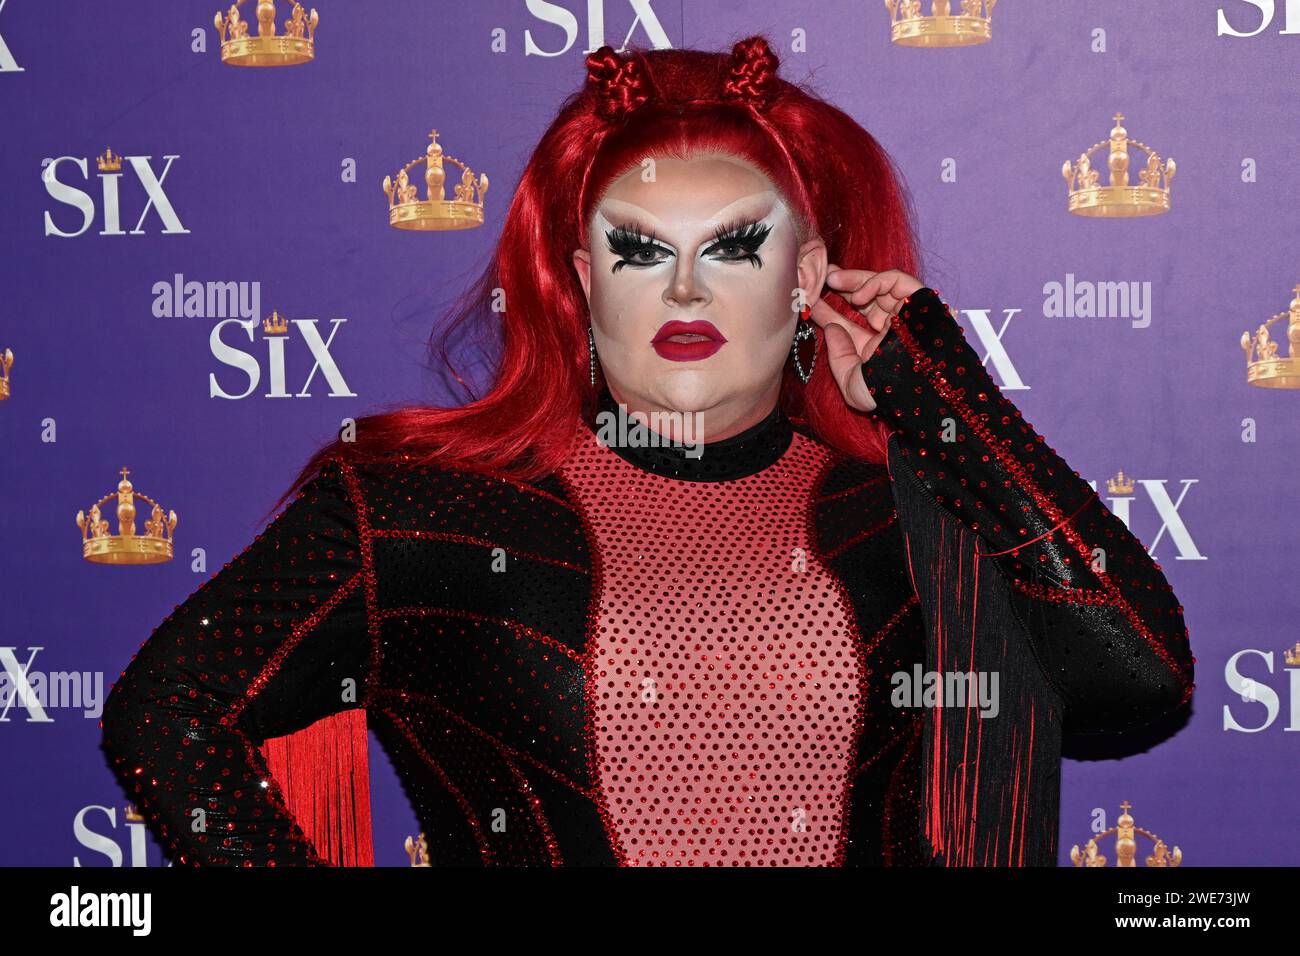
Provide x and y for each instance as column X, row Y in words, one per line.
column 689, row 390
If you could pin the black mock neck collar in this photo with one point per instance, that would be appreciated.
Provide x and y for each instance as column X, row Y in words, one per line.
column 742, row 454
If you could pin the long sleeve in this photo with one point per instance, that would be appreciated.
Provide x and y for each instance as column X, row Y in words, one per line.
column 1104, row 623
column 275, row 641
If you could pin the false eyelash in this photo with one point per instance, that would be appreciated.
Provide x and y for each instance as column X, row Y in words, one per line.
column 627, row 241
column 748, row 234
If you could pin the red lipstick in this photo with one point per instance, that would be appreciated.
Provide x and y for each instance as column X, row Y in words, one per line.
column 687, row 341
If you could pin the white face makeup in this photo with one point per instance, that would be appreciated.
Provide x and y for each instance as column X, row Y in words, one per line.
column 711, row 247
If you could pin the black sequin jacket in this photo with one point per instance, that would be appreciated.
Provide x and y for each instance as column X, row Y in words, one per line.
column 992, row 554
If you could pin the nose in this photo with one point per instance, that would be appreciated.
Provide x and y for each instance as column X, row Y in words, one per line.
column 685, row 289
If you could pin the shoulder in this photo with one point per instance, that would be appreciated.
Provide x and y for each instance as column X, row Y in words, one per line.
column 843, row 471
column 399, row 493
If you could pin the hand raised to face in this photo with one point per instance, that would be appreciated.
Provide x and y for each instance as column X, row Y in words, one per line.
column 878, row 297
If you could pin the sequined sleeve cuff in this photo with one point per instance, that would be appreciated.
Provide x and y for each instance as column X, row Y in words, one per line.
column 1106, row 625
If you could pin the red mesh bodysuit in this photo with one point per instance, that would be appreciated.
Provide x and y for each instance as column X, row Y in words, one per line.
column 649, row 658
column 726, row 679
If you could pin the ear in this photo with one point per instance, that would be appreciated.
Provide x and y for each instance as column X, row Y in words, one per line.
column 813, row 266
column 582, row 262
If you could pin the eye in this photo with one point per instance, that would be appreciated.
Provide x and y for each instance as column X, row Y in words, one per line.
column 740, row 242
column 628, row 243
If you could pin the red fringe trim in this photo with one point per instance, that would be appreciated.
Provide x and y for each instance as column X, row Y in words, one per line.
column 324, row 773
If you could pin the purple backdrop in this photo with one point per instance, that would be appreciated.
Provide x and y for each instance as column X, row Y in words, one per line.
column 259, row 183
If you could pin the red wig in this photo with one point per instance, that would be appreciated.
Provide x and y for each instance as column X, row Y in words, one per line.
column 839, row 183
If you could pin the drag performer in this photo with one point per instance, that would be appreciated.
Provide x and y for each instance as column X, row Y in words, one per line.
column 675, row 590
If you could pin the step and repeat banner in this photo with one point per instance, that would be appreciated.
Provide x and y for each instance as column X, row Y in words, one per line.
column 201, row 282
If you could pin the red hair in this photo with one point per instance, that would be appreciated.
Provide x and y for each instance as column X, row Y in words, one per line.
column 837, row 180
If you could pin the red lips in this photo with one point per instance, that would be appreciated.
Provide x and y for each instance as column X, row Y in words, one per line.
column 687, row 341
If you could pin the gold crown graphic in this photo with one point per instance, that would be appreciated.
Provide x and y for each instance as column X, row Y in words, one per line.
column 275, row 324
column 296, row 45
column 126, row 547
column 132, row 814
column 1125, row 846
column 1119, row 200
column 909, row 27
column 1121, row 484
column 1292, row 655
column 418, row 851
column 110, row 162
column 6, row 363
column 1264, row 367
column 407, row 211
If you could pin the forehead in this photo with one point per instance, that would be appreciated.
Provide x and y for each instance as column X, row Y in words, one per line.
column 704, row 186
